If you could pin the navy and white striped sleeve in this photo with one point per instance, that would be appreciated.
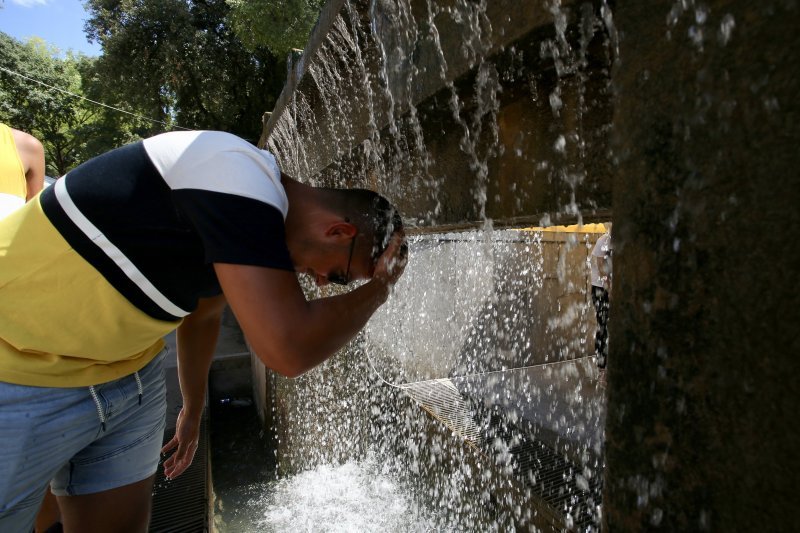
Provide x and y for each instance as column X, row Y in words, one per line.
column 235, row 229
column 230, row 191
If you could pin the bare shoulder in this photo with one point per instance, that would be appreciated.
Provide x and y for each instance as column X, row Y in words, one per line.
column 31, row 154
column 26, row 140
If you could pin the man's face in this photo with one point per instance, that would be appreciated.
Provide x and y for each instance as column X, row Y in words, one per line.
column 344, row 279
column 340, row 264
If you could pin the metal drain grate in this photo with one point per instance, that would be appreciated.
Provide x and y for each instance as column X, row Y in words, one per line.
column 554, row 479
column 442, row 400
column 182, row 505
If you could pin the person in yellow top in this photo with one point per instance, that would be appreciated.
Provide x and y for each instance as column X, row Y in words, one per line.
column 21, row 168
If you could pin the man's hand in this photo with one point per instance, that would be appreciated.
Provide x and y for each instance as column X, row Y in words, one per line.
column 187, row 436
column 393, row 260
column 197, row 338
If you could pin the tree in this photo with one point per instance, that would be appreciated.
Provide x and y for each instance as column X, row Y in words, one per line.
column 41, row 93
column 280, row 25
column 179, row 61
column 24, row 103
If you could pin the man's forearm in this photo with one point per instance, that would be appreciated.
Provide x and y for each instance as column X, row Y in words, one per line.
column 197, row 340
column 334, row 321
column 289, row 334
column 292, row 335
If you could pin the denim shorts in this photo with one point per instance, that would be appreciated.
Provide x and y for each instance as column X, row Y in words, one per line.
column 81, row 440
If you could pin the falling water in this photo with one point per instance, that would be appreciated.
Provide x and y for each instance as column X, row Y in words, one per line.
column 471, row 400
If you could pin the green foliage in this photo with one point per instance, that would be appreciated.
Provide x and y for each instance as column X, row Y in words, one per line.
column 36, row 95
column 179, row 61
column 280, row 25
column 23, row 103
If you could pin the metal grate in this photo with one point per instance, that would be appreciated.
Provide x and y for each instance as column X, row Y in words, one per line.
column 181, row 505
column 555, row 480
column 442, row 400
column 549, row 475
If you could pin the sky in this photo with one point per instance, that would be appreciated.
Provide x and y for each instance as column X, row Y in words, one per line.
column 58, row 22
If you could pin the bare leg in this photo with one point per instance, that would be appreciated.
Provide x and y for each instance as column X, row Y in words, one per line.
column 121, row 510
column 48, row 513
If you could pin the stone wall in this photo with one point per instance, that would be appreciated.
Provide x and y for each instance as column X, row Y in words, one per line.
column 456, row 111
column 702, row 377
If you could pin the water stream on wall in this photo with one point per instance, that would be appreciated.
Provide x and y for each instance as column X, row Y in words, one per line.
column 489, row 332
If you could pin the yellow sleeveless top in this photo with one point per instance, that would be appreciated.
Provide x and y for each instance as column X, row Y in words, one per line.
column 13, row 187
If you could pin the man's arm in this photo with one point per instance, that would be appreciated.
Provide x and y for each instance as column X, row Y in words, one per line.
column 197, row 339
column 31, row 153
column 290, row 334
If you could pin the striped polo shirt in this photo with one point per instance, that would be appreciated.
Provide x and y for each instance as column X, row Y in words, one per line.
column 116, row 253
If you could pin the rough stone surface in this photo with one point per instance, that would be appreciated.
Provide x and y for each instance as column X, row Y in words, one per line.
column 701, row 430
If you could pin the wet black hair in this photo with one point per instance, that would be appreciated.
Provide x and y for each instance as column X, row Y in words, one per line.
column 374, row 216
column 387, row 221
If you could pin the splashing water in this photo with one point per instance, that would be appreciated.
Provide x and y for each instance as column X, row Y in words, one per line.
column 354, row 496
column 489, row 331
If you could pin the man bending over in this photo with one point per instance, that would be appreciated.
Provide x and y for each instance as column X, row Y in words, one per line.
column 147, row 238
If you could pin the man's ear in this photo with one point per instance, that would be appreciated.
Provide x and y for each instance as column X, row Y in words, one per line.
column 341, row 230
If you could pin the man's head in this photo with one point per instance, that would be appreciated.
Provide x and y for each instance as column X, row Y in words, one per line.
column 347, row 230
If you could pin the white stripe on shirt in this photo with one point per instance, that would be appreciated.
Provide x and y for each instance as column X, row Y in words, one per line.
column 114, row 253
